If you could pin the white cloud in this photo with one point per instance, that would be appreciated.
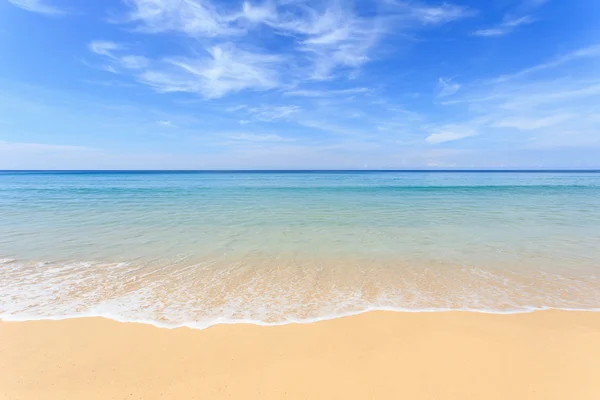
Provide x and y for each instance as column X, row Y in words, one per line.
column 257, row 14
column 519, row 16
column 541, row 109
column 104, row 48
column 583, row 53
column 506, row 27
column 526, row 124
column 566, row 139
column 252, row 137
column 38, row 147
column 226, row 69
column 450, row 133
column 427, row 14
column 223, row 69
column 270, row 113
column 331, row 37
column 323, row 40
column 328, row 127
column 446, row 87
column 38, row 6
column 337, row 37
column 547, row 94
column 167, row 124
column 134, row 62
column 193, row 17
column 326, row 93
column 110, row 50
column 439, row 14
column 113, row 83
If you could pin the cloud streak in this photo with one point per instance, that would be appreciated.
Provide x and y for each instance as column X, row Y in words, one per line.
column 326, row 93
column 232, row 51
column 37, row 6
column 450, row 133
column 439, row 14
column 506, row 27
column 192, row 17
column 223, row 69
column 446, row 87
column 39, row 147
column 253, row 137
column 324, row 37
column 544, row 106
column 579, row 54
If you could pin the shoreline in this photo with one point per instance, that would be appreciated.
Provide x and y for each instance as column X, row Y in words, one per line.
column 378, row 354
column 232, row 322
column 277, row 292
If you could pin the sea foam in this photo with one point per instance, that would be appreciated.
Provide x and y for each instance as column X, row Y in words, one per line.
column 203, row 295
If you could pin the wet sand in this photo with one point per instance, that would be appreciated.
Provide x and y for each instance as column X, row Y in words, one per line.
column 378, row 355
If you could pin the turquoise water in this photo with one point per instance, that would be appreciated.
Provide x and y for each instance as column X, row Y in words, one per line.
column 274, row 247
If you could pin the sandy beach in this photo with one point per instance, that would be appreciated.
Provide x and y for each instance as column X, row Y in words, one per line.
column 378, row 355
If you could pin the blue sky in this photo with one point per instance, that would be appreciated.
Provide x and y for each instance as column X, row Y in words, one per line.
column 198, row 84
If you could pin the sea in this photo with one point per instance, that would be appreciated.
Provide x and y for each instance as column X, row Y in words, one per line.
column 199, row 248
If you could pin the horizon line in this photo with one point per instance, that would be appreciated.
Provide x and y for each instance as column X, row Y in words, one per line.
column 597, row 170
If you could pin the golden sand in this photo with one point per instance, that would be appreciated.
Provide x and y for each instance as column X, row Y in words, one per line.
column 380, row 355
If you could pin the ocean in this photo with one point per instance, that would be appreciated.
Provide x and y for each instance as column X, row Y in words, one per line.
column 202, row 248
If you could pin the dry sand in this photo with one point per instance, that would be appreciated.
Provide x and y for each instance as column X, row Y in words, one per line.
column 380, row 355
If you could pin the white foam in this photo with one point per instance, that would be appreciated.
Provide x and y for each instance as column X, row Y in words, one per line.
column 203, row 295
column 291, row 321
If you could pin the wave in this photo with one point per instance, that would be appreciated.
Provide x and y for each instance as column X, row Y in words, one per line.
column 206, row 325
column 277, row 292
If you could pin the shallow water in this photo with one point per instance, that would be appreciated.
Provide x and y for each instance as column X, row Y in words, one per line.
column 202, row 248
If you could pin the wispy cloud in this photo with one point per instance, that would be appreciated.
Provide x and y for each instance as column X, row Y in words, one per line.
column 520, row 15
column 221, row 70
column 583, row 53
column 423, row 13
column 330, row 35
column 39, row 147
column 192, row 17
column 326, row 93
column 253, row 137
column 224, row 69
column 545, row 105
column 104, row 47
column 446, row 87
column 450, row 133
column 438, row 14
column 506, row 27
column 529, row 123
column 329, row 127
column 267, row 112
column 333, row 37
column 38, row 6
column 318, row 41
column 167, row 124
column 109, row 83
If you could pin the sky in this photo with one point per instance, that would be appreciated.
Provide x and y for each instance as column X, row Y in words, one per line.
column 299, row 84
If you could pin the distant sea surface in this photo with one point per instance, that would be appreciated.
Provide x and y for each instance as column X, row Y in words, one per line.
column 197, row 249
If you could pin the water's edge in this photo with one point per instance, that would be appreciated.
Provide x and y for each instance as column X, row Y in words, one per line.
column 202, row 326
